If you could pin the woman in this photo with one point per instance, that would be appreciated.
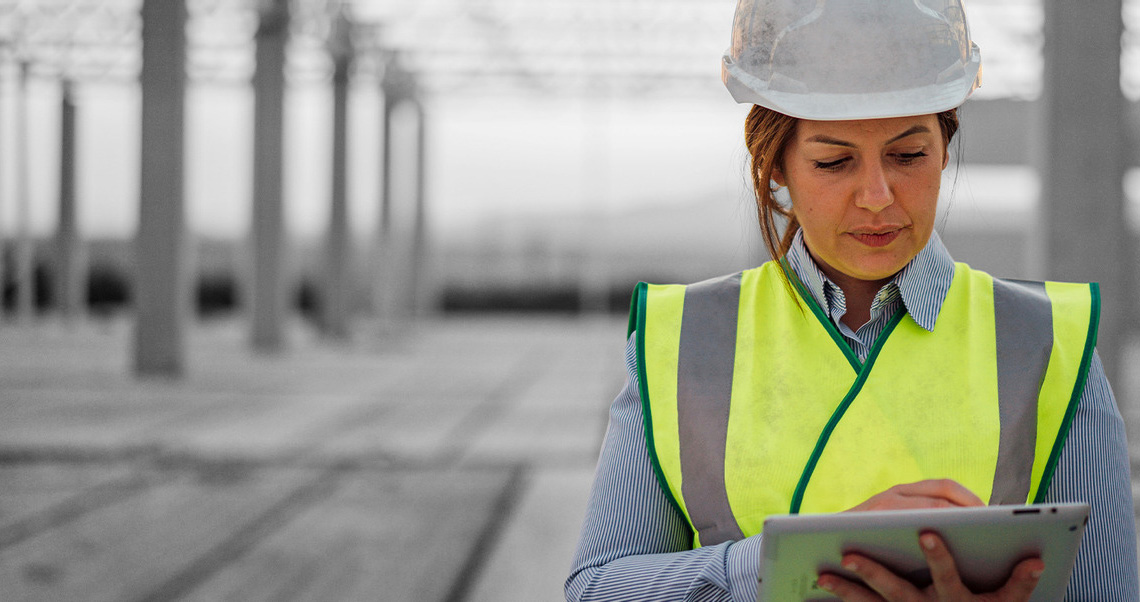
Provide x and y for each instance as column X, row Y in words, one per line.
column 864, row 369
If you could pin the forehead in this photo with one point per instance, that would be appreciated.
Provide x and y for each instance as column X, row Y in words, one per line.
column 865, row 131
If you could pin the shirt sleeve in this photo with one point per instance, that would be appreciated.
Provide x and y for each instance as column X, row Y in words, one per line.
column 634, row 544
column 1094, row 468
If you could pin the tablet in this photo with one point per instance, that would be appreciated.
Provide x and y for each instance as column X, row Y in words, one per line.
column 986, row 541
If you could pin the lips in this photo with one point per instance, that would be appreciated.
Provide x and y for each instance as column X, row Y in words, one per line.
column 877, row 239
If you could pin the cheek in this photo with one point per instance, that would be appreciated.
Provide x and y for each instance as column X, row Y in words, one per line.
column 806, row 200
column 815, row 205
column 922, row 195
column 802, row 210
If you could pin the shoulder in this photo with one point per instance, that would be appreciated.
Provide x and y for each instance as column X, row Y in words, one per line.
column 655, row 305
column 1033, row 293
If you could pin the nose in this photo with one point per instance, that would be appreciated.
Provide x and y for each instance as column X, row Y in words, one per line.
column 874, row 193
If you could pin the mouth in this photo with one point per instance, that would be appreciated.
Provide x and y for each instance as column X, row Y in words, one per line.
column 880, row 238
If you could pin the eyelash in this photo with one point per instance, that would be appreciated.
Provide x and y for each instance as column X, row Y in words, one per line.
column 830, row 165
column 903, row 159
column 908, row 158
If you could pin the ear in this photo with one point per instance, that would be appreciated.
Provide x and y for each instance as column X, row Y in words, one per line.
column 945, row 156
column 778, row 177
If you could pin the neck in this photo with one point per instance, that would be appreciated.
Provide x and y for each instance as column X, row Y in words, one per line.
column 859, row 294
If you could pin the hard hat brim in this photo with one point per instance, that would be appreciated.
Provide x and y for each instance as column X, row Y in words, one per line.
column 807, row 104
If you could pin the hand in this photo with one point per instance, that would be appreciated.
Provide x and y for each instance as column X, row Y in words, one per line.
column 882, row 584
column 931, row 493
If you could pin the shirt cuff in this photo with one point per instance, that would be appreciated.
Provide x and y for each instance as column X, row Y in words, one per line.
column 744, row 569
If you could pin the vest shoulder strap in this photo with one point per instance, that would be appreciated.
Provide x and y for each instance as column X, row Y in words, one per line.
column 699, row 321
column 1075, row 321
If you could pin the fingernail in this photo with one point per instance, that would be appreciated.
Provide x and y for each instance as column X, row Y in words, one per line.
column 928, row 542
column 851, row 565
column 1036, row 574
column 826, row 585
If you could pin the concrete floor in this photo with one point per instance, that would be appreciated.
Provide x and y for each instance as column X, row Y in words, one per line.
column 446, row 463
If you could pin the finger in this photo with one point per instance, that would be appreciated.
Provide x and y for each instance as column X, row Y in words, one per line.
column 932, row 493
column 848, row 591
column 891, row 500
column 947, row 489
column 1023, row 580
column 914, row 502
column 880, row 579
column 943, row 571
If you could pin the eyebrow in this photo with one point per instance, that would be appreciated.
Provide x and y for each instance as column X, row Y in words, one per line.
column 917, row 129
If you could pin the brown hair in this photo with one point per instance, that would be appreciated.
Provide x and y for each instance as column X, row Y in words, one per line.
column 766, row 134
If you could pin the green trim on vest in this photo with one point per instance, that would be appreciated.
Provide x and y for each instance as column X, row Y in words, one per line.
column 637, row 324
column 864, row 372
column 1078, row 390
column 635, row 309
column 828, row 325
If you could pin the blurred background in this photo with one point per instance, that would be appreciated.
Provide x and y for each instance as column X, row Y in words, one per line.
column 319, row 299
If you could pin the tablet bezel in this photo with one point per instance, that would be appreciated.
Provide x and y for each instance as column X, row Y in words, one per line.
column 987, row 541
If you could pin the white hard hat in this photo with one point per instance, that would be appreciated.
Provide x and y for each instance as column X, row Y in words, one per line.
column 851, row 59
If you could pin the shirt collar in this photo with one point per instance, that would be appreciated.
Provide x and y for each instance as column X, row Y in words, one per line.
column 922, row 283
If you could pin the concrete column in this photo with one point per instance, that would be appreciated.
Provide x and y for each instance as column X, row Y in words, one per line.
column 162, row 292
column 4, row 237
column 1083, row 161
column 25, row 248
column 401, row 228
column 268, row 298
column 385, row 278
column 336, row 303
column 419, row 300
column 69, row 261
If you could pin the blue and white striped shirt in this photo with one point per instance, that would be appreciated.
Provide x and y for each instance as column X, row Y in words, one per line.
column 635, row 546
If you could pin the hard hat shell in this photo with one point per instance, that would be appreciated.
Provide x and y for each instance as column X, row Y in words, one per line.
column 851, row 59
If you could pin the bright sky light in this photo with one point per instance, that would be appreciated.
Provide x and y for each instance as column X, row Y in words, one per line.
column 490, row 156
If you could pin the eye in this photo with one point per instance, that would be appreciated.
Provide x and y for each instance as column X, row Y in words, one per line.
column 908, row 158
column 831, row 165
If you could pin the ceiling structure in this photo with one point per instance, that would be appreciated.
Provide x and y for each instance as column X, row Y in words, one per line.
column 556, row 48
column 547, row 48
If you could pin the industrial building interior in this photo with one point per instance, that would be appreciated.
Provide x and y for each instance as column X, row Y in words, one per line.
column 326, row 299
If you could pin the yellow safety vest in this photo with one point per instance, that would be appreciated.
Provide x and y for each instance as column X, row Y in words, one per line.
column 754, row 405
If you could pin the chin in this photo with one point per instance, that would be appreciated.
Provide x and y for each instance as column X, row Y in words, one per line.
column 877, row 272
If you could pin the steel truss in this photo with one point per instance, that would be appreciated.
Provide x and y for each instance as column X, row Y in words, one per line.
column 552, row 48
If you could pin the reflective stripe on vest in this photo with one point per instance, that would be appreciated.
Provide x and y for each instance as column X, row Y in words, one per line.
column 754, row 404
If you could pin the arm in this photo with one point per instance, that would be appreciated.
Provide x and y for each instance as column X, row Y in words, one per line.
column 1094, row 468
column 633, row 543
